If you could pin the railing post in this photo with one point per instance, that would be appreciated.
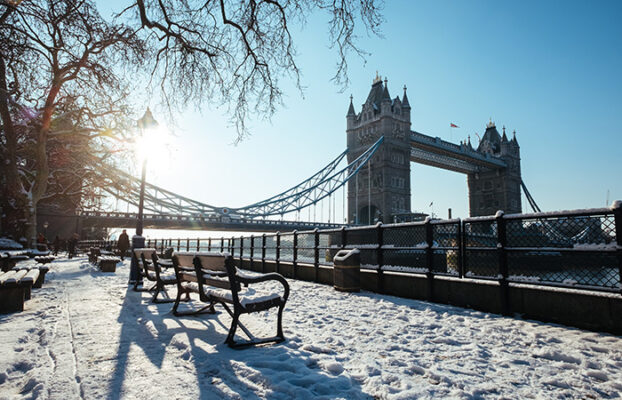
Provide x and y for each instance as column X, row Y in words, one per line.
column 155, row 244
column 460, row 249
column 295, row 253
column 344, row 237
column 316, row 253
column 209, row 244
column 379, row 255
column 252, row 251
column 278, row 252
column 263, row 253
column 187, row 244
column 503, row 261
column 429, row 256
column 178, row 244
column 149, row 243
column 198, row 245
column 222, row 244
column 241, row 250
column 617, row 214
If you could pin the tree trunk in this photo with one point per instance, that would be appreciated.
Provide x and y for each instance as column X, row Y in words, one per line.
column 12, row 190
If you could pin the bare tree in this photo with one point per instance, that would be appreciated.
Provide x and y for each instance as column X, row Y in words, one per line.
column 235, row 52
column 62, row 83
column 66, row 75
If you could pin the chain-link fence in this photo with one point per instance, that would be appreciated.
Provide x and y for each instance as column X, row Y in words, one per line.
column 576, row 250
column 581, row 249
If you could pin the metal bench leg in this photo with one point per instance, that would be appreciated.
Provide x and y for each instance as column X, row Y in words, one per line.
column 234, row 325
column 161, row 289
column 279, row 323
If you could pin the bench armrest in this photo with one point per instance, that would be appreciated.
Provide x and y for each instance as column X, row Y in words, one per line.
column 272, row 276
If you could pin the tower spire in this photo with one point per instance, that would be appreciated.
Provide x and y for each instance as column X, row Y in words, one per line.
column 351, row 108
column 405, row 103
column 385, row 92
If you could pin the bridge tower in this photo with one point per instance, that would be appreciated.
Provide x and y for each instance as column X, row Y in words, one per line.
column 496, row 189
column 388, row 172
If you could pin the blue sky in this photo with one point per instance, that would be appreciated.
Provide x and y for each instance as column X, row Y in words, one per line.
column 549, row 70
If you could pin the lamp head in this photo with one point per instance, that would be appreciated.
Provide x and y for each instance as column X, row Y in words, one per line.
column 147, row 121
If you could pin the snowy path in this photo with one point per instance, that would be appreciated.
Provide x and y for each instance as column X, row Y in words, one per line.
column 84, row 335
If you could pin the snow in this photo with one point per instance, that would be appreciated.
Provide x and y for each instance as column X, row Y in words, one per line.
column 6, row 243
column 85, row 334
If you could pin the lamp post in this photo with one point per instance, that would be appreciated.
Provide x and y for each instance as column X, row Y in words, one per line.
column 144, row 124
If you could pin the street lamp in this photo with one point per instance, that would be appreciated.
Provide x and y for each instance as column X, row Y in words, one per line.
column 145, row 124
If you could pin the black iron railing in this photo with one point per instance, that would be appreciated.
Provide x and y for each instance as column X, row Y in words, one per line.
column 578, row 249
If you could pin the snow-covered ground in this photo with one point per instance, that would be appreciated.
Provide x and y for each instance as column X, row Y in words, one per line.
column 85, row 335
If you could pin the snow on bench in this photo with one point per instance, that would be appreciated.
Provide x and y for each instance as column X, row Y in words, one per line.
column 217, row 280
column 152, row 270
column 15, row 288
column 43, row 269
column 108, row 263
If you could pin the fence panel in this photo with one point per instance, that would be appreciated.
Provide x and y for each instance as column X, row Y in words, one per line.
column 564, row 250
column 306, row 243
column 270, row 247
column 446, row 247
column 287, row 247
column 364, row 239
column 481, row 259
column 404, row 248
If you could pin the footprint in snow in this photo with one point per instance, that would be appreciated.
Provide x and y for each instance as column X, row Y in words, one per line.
column 599, row 375
column 22, row 366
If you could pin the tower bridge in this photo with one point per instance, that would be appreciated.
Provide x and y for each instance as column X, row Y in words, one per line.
column 383, row 189
column 380, row 148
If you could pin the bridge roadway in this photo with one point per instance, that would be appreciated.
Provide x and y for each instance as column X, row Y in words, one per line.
column 206, row 223
column 435, row 152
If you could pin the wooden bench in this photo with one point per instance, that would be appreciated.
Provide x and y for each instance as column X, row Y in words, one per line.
column 94, row 253
column 4, row 262
column 15, row 288
column 152, row 270
column 108, row 263
column 142, row 272
column 217, row 280
column 43, row 269
column 44, row 259
column 14, row 257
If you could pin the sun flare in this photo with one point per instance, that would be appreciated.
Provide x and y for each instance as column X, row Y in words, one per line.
column 155, row 146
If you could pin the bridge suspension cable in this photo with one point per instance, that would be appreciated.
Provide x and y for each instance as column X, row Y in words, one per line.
column 312, row 190
column 322, row 184
column 530, row 199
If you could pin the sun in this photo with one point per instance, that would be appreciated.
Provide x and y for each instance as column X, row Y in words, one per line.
column 155, row 146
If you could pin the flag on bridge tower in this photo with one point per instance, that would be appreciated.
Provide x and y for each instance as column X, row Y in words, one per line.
column 452, row 125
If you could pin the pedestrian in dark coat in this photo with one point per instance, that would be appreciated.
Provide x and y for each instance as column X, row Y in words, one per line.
column 72, row 245
column 123, row 244
column 56, row 245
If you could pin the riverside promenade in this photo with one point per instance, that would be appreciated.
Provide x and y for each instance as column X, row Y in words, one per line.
column 86, row 335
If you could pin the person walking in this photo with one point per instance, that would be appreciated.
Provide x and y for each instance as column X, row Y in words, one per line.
column 123, row 243
column 56, row 245
column 71, row 246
